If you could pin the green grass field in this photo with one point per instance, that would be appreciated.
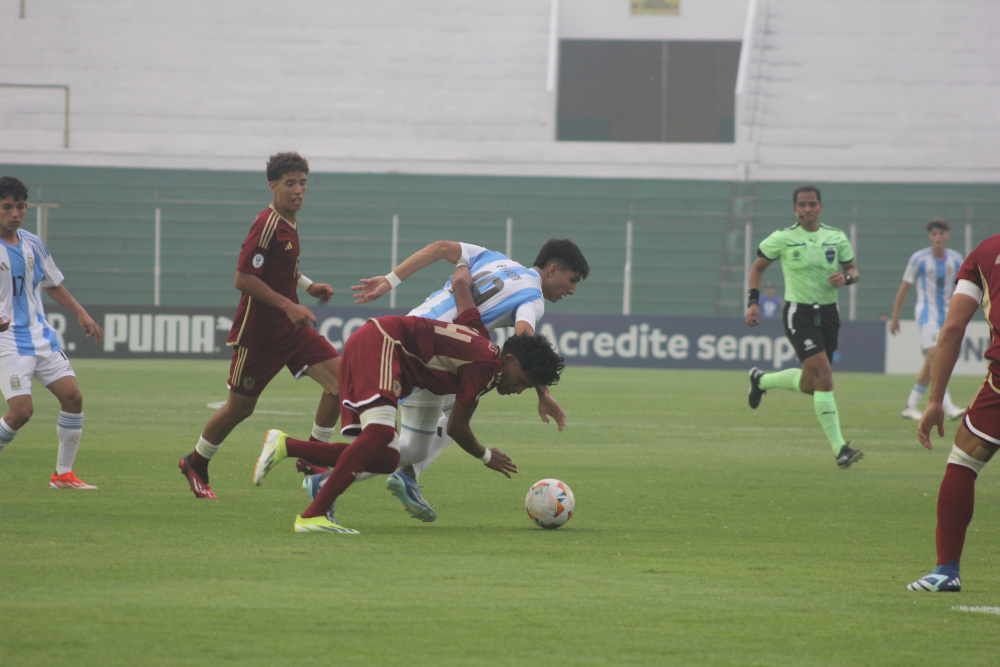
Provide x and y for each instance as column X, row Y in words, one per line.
column 704, row 534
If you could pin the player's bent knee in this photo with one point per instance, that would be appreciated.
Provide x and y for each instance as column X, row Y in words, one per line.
column 17, row 420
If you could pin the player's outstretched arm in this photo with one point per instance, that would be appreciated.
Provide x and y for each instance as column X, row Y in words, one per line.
column 62, row 296
column 377, row 286
column 460, row 430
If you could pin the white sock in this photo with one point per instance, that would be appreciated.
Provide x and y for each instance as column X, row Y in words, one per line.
column 6, row 433
column 205, row 448
column 323, row 433
column 69, row 428
column 915, row 394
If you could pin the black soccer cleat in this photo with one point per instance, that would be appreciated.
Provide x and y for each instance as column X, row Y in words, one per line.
column 755, row 393
column 847, row 456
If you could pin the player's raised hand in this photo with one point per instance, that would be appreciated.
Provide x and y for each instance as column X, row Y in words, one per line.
column 370, row 289
column 501, row 462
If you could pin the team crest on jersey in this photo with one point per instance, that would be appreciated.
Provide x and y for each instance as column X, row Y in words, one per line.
column 831, row 254
column 248, row 383
column 30, row 261
column 796, row 254
column 15, row 382
column 397, row 388
column 258, row 261
column 495, row 349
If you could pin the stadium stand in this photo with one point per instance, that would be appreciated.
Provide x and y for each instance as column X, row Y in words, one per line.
column 440, row 115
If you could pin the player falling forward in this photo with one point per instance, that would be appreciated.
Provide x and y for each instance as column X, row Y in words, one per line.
column 29, row 347
column 387, row 358
column 271, row 328
column 506, row 294
column 978, row 436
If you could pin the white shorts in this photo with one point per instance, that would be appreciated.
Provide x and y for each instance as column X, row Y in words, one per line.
column 928, row 335
column 16, row 372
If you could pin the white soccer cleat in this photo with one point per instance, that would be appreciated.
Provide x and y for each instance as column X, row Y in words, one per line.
column 912, row 413
column 954, row 414
column 271, row 454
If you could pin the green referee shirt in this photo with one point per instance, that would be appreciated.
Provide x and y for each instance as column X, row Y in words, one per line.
column 807, row 260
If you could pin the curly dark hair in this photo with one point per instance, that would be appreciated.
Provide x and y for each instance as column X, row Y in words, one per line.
column 564, row 252
column 537, row 357
column 13, row 187
column 285, row 163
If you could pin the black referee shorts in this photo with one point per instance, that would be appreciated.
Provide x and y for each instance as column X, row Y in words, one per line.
column 811, row 328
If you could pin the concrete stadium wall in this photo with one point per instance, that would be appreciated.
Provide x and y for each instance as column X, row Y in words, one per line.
column 689, row 236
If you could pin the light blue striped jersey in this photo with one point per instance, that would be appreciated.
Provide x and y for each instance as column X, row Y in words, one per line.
column 504, row 291
column 935, row 281
column 24, row 270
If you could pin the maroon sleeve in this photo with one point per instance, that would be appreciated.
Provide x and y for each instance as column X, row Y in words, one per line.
column 252, row 256
column 472, row 319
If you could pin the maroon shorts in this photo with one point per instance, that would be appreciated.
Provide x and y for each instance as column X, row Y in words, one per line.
column 252, row 369
column 369, row 373
column 983, row 414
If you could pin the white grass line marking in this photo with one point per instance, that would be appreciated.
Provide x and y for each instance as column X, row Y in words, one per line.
column 982, row 610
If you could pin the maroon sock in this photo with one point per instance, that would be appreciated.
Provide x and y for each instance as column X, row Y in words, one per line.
column 321, row 453
column 385, row 462
column 956, row 500
column 199, row 464
column 365, row 449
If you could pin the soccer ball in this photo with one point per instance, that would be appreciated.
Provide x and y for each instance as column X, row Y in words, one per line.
column 549, row 503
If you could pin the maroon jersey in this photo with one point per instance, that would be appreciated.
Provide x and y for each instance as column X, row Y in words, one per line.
column 270, row 252
column 444, row 358
column 982, row 267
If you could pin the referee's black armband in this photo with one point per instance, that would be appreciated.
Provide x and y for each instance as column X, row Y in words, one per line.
column 848, row 278
column 753, row 296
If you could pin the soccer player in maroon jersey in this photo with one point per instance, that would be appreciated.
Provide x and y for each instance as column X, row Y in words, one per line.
column 384, row 361
column 978, row 436
column 271, row 329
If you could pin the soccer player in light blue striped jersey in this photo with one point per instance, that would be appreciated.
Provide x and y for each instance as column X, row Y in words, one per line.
column 506, row 294
column 932, row 271
column 29, row 347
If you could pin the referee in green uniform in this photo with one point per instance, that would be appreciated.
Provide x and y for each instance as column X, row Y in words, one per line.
column 816, row 260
